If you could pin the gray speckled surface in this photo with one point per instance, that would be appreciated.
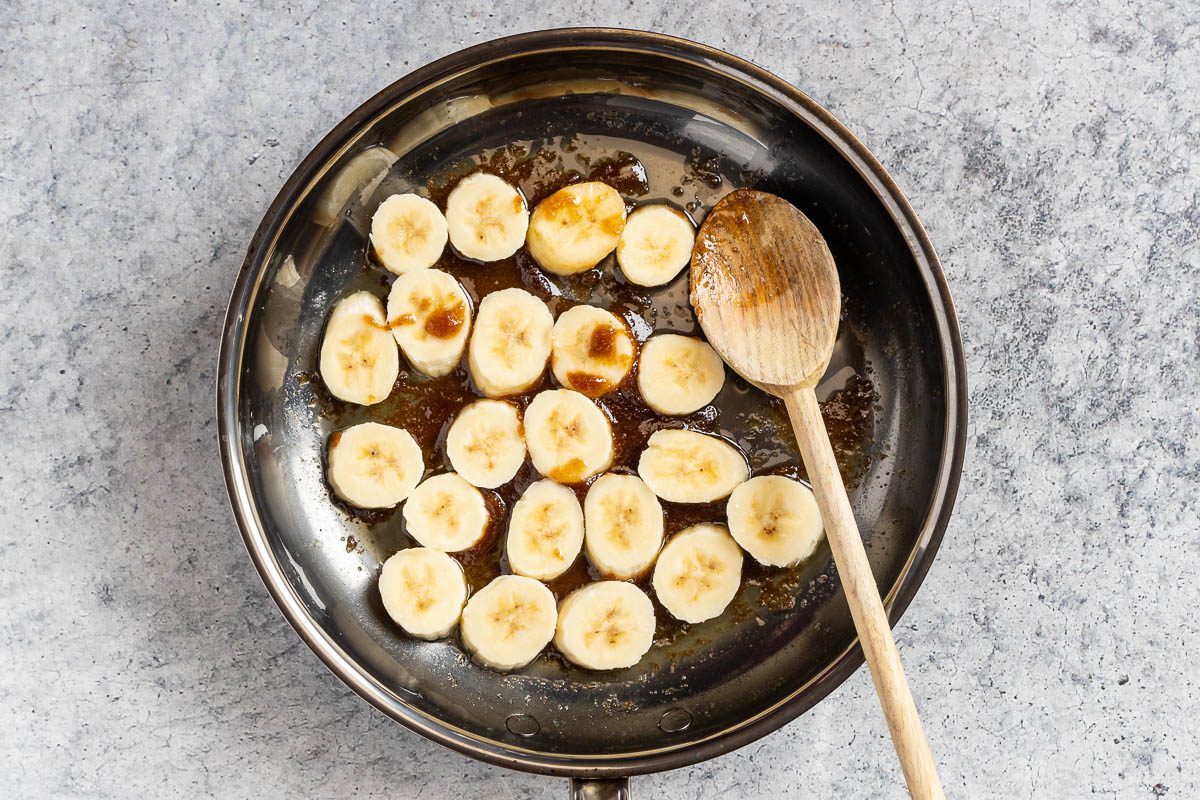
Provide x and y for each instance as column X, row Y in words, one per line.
column 1050, row 150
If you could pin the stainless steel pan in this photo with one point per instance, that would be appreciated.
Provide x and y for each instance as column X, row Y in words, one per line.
column 715, row 689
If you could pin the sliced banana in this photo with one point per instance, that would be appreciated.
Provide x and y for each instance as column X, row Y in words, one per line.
column 545, row 531
column 423, row 591
column 605, row 625
column 486, row 443
column 508, row 622
column 359, row 362
column 568, row 437
column 446, row 513
column 656, row 245
column 698, row 572
column 679, row 374
column 511, row 343
column 775, row 519
column 623, row 525
column 591, row 350
column 574, row 228
column 430, row 317
column 487, row 218
column 373, row 465
column 688, row 467
column 408, row 232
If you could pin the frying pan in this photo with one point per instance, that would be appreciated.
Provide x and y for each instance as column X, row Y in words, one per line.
column 731, row 684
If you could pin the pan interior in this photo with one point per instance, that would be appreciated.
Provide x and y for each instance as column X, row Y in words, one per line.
column 717, row 675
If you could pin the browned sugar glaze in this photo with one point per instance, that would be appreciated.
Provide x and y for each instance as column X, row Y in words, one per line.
column 741, row 413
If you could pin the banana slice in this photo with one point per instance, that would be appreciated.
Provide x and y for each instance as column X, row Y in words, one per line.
column 408, row 232
column 545, row 531
column 698, row 572
column 373, row 465
column 511, row 343
column 486, row 443
column 423, row 591
column 446, row 513
column 508, row 622
column 679, row 374
column 574, row 228
column 656, row 245
column 591, row 350
column 359, row 362
column 775, row 519
column 568, row 437
column 430, row 317
column 487, row 218
column 623, row 525
column 688, row 467
column 605, row 625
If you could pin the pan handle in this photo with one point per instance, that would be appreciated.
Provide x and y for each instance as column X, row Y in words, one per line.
column 600, row 789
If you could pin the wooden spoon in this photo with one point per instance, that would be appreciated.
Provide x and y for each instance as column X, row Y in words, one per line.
column 766, row 293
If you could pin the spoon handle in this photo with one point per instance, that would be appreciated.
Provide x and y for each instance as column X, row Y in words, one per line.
column 862, row 594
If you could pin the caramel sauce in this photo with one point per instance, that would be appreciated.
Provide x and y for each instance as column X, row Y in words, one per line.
column 536, row 170
column 754, row 421
column 848, row 420
column 622, row 170
column 579, row 574
column 571, row 472
column 371, row 322
column 586, row 383
column 603, row 343
column 562, row 207
column 612, row 224
column 447, row 321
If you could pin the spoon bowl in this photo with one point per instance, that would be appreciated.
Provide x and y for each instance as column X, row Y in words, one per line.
column 766, row 290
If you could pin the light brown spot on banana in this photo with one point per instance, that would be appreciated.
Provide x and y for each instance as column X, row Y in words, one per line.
column 622, row 514
column 607, row 628
column 698, row 573
column 546, row 531
column 420, row 587
column 485, row 445
column 381, row 463
column 356, row 353
column 511, row 618
column 657, row 248
column 445, row 512
column 684, row 368
column 487, row 217
column 514, row 338
column 770, row 517
column 402, row 227
column 685, row 463
column 564, row 430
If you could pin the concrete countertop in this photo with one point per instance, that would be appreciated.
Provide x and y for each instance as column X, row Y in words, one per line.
column 1050, row 150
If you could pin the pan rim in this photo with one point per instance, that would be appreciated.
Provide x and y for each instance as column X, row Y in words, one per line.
column 253, row 532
